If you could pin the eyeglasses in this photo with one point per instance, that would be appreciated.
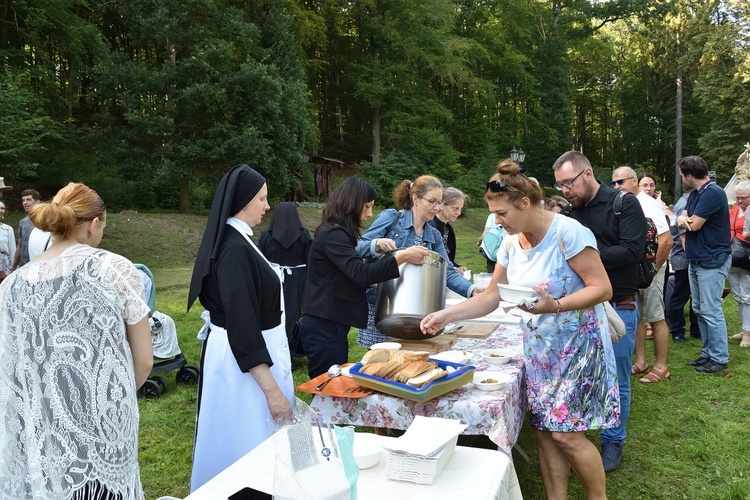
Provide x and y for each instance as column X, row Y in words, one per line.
column 568, row 184
column 620, row 182
column 500, row 187
column 434, row 203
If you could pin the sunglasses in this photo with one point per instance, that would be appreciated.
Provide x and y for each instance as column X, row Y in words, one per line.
column 620, row 182
column 500, row 187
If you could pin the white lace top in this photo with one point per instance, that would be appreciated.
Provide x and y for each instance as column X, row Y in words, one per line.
column 68, row 408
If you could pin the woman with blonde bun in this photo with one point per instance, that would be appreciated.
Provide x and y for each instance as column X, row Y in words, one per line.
column 75, row 346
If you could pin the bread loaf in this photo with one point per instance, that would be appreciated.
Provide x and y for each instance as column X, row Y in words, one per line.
column 415, row 355
column 371, row 368
column 411, row 370
column 407, row 367
column 387, row 368
column 426, row 377
column 376, row 356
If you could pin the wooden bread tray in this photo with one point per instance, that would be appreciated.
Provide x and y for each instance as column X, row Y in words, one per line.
column 474, row 330
column 438, row 343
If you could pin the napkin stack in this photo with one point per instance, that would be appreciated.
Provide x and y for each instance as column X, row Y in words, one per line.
column 422, row 452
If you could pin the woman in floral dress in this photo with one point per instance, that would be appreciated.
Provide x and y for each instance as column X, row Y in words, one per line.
column 571, row 383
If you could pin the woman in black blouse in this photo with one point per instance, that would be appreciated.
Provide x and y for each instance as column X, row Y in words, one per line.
column 337, row 277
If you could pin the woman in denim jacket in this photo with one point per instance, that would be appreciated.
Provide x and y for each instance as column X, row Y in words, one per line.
column 417, row 203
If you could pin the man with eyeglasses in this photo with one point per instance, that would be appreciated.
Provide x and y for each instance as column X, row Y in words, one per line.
column 651, row 299
column 621, row 240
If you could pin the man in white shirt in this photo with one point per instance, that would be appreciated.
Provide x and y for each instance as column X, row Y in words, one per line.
column 39, row 241
column 651, row 299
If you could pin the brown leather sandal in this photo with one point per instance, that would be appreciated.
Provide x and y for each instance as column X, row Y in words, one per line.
column 634, row 370
column 654, row 376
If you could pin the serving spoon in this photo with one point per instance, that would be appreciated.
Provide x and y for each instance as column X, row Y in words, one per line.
column 333, row 372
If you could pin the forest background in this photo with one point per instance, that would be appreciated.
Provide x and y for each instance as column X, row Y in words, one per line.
column 151, row 101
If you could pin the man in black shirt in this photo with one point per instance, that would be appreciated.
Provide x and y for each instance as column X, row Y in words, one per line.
column 621, row 240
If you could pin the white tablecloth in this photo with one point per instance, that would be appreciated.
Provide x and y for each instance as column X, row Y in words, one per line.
column 471, row 473
column 498, row 414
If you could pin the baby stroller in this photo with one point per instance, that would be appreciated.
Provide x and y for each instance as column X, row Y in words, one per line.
column 167, row 354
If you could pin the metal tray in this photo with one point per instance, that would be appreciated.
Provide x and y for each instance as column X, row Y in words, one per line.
column 463, row 375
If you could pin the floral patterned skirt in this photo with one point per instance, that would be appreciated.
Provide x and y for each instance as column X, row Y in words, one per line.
column 571, row 379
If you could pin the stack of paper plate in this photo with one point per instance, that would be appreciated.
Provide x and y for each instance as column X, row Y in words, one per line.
column 403, row 466
column 422, row 452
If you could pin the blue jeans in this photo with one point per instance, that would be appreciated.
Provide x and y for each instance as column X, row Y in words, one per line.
column 706, row 289
column 624, row 361
column 679, row 284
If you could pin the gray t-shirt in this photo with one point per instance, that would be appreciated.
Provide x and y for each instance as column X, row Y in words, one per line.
column 25, row 227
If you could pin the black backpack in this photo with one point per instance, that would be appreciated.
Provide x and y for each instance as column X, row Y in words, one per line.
column 647, row 264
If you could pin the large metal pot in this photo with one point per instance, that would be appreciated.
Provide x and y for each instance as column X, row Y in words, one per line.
column 404, row 301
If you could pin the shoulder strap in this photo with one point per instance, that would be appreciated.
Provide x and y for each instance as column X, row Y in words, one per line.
column 508, row 240
column 617, row 205
column 560, row 242
column 395, row 221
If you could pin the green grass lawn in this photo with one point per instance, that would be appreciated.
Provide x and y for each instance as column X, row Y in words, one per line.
column 687, row 437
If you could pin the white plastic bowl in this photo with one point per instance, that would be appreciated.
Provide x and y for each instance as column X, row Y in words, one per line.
column 497, row 356
column 366, row 449
column 515, row 293
column 389, row 346
column 481, row 380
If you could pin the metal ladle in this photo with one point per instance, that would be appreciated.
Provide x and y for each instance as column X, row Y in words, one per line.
column 333, row 372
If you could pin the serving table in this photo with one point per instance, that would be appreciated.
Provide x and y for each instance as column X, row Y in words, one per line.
column 497, row 414
column 470, row 473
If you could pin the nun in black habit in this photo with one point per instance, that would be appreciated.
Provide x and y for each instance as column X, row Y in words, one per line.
column 246, row 377
column 287, row 242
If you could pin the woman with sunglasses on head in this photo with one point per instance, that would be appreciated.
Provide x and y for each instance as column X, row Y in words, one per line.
column 571, row 384
column 417, row 203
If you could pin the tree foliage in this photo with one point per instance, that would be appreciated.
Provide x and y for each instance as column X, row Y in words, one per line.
column 151, row 101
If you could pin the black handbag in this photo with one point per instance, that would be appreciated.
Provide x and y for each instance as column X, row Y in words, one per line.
column 740, row 254
column 740, row 250
column 295, row 342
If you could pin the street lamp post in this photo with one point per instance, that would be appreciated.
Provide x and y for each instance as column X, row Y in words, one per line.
column 517, row 155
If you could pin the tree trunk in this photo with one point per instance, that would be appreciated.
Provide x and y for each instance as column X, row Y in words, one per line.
column 339, row 113
column 184, row 195
column 376, row 135
column 678, row 138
